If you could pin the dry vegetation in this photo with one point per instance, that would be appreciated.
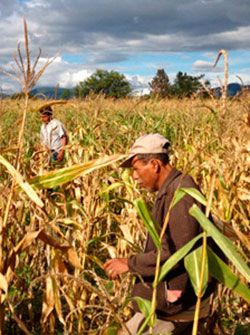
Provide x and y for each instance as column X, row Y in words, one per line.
column 52, row 279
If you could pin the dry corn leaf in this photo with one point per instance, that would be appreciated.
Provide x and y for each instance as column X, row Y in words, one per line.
column 73, row 258
column 52, row 241
column 58, row 306
column 27, row 240
column 111, row 250
column 20, row 181
column 3, row 283
column 48, row 300
column 126, row 233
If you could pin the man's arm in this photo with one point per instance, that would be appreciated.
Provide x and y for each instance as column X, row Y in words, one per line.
column 63, row 144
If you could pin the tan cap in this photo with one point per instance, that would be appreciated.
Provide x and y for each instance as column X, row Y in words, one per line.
column 147, row 144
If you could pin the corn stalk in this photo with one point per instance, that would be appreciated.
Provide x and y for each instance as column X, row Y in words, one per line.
column 27, row 77
column 224, row 86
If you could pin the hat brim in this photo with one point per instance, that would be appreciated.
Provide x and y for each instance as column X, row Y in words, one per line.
column 128, row 162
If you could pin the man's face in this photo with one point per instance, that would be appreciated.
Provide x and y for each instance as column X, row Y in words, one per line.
column 45, row 118
column 145, row 174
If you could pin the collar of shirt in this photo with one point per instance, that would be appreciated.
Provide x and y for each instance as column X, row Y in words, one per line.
column 170, row 178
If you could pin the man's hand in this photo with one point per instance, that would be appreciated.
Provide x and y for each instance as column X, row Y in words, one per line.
column 173, row 295
column 115, row 267
column 60, row 155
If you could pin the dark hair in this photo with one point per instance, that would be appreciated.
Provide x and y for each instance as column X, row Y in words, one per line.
column 46, row 111
column 145, row 158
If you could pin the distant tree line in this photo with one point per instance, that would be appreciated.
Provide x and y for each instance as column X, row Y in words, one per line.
column 184, row 85
column 113, row 84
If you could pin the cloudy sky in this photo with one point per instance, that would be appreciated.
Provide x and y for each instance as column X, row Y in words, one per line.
column 134, row 37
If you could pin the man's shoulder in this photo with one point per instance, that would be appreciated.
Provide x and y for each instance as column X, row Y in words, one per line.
column 185, row 180
column 55, row 122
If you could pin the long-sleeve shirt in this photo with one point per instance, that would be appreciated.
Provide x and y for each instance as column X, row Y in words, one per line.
column 181, row 228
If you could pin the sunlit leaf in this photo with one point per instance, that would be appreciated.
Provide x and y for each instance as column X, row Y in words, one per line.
column 176, row 257
column 48, row 300
column 73, row 258
column 64, row 175
column 111, row 187
column 193, row 192
column 192, row 264
column 20, row 181
column 3, row 283
column 224, row 243
column 144, row 305
column 27, row 240
column 58, row 305
column 220, row 271
column 147, row 220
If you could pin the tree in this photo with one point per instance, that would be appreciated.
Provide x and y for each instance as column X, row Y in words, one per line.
column 185, row 85
column 110, row 83
column 66, row 94
column 160, row 84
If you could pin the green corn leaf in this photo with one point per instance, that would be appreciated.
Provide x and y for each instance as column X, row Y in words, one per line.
column 111, row 187
column 145, row 306
column 147, row 220
column 176, row 257
column 192, row 264
column 220, row 271
column 193, row 192
column 224, row 243
column 64, row 175
column 20, row 181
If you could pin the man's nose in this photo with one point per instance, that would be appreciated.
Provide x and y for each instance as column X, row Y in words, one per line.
column 135, row 175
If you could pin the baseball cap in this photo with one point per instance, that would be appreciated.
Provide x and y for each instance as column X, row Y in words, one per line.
column 46, row 110
column 147, row 144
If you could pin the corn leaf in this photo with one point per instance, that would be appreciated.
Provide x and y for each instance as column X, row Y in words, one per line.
column 3, row 283
column 58, row 305
column 220, row 271
column 193, row 192
column 64, row 175
column 144, row 305
column 192, row 264
column 224, row 243
column 176, row 257
column 111, row 187
column 20, row 181
column 147, row 220
column 48, row 300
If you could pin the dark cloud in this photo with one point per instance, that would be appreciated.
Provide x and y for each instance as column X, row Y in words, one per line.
column 85, row 25
column 109, row 31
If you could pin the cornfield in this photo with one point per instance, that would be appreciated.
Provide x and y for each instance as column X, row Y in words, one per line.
column 60, row 223
column 52, row 279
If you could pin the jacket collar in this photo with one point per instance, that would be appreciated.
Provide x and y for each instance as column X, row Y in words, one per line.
column 174, row 173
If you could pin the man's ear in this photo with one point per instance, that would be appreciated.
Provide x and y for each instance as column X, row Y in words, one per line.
column 156, row 165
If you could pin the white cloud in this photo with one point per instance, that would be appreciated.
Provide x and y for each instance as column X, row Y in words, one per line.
column 205, row 66
column 109, row 32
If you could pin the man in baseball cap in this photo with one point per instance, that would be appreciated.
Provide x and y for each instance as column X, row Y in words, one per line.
column 147, row 144
column 149, row 160
column 53, row 134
